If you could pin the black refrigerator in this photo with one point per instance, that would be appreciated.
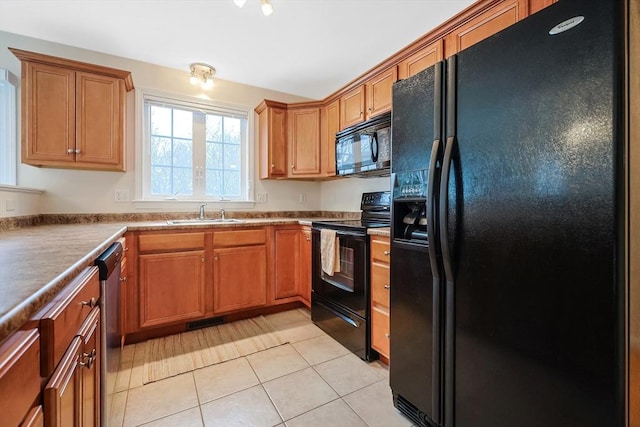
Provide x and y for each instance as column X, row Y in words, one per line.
column 507, row 237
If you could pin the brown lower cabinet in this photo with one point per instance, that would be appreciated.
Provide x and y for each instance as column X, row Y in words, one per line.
column 50, row 370
column 177, row 276
column 380, row 286
column 72, row 395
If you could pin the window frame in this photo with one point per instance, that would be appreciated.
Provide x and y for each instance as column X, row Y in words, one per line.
column 8, row 128
column 143, row 150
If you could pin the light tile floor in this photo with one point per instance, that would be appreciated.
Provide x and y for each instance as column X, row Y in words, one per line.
column 311, row 381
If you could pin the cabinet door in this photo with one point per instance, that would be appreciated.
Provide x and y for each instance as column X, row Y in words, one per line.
column 330, row 125
column 496, row 18
column 19, row 375
column 239, row 277
column 537, row 5
column 272, row 138
column 352, row 107
column 287, row 243
column 172, row 287
column 378, row 91
column 380, row 331
column 304, row 142
column 99, row 121
column 90, row 370
column 421, row 60
column 305, row 265
column 48, row 114
column 62, row 392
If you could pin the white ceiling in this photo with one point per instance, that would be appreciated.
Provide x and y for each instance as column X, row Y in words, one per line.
column 308, row 48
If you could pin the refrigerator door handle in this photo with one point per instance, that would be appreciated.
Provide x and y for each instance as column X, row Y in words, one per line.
column 431, row 208
column 444, row 212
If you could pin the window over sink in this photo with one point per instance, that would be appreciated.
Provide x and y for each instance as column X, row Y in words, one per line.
column 193, row 150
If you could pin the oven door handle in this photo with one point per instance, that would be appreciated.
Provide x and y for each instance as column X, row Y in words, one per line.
column 344, row 317
column 360, row 236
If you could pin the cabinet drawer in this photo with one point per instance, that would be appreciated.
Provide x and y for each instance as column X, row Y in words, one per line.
column 19, row 376
column 225, row 239
column 60, row 324
column 170, row 241
column 380, row 249
column 380, row 331
column 380, row 284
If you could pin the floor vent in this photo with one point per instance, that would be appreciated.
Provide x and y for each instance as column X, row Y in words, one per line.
column 212, row 321
column 408, row 410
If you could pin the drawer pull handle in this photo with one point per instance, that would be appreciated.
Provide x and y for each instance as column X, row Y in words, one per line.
column 91, row 357
column 387, row 287
column 387, row 253
column 91, row 303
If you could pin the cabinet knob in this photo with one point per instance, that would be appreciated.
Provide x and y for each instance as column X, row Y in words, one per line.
column 91, row 303
column 90, row 357
column 273, row 166
column 387, row 335
column 70, row 151
column 387, row 253
column 123, row 279
column 387, row 287
column 369, row 109
column 77, row 151
column 202, row 259
column 215, row 258
column 361, row 113
column 308, row 239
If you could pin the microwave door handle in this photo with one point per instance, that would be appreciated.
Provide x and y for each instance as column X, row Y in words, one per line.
column 374, row 147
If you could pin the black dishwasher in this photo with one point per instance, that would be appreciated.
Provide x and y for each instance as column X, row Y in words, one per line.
column 111, row 329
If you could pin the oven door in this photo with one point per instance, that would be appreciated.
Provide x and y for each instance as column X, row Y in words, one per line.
column 347, row 288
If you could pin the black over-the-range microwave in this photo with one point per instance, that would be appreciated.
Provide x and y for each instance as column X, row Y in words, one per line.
column 365, row 149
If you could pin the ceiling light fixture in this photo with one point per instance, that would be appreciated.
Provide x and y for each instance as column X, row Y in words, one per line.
column 202, row 74
column 265, row 5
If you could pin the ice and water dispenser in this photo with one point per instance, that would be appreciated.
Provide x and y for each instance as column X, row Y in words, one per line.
column 409, row 206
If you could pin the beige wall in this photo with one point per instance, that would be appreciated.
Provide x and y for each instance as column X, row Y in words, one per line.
column 76, row 191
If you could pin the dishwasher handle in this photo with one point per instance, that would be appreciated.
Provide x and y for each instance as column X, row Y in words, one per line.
column 109, row 260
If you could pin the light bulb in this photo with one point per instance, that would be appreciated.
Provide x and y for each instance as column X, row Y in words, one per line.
column 239, row 3
column 193, row 79
column 207, row 83
column 267, row 7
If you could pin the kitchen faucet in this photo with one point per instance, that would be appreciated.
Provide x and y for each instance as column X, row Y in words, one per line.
column 202, row 210
column 222, row 214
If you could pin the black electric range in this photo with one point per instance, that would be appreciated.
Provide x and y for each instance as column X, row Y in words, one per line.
column 340, row 300
column 376, row 212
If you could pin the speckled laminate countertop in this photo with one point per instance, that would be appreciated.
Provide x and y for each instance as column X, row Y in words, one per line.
column 381, row 231
column 37, row 262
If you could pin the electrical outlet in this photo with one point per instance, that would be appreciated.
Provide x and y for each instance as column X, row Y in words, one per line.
column 121, row 195
column 302, row 198
column 261, row 198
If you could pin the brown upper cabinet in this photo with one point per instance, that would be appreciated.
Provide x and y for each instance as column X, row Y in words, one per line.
column 272, row 139
column 421, row 60
column 352, row 107
column 485, row 24
column 378, row 90
column 371, row 93
column 329, row 126
column 73, row 113
column 368, row 100
column 303, row 139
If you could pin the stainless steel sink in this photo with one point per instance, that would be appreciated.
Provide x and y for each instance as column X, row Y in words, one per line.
column 204, row 221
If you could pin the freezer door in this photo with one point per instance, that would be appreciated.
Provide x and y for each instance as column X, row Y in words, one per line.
column 415, row 299
column 534, row 295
